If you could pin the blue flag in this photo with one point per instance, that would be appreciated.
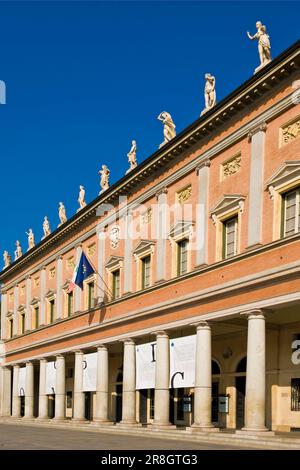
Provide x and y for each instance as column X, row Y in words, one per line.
column 84, row 271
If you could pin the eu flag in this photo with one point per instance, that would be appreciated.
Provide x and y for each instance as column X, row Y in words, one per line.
column 84, row 271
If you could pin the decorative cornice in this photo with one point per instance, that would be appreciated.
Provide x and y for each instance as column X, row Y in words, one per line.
column 250, row 92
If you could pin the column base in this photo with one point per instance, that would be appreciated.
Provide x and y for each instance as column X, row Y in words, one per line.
column 42, row 419
column 128, row 423
column 157, row 426
column 59, row 420
column 79, row 420
column 100, row 422
column 28, row 418
column 255, row 432
column 199, row 428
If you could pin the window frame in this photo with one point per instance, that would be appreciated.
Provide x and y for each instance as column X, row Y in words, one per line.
column 179, row 256
column 295, row 394
column 225, row 235
column 296, row 190
column 113, row 284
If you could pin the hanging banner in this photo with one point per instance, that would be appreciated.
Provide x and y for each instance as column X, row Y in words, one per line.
column 22, row 382
column 182, row 362
column 50, row 378
column 90, row 372
column 145, row 366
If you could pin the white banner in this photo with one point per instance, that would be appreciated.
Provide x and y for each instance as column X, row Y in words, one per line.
column 182, row 361
column 50, row 378
column 22, row 382
column 90, row 372
column 145, row 366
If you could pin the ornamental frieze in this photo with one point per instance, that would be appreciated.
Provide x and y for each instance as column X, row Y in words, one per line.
column 291, row 132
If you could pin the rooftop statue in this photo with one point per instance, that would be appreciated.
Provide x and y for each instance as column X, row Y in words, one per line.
column 18, row 252
column 7, row 259
column 132, row 157
column 169, row 127
column 210, row 96
column 62, row 214
column 46, row 228
column 31, row 241
column 264, row 46
column 81, row 198
column 104, row 178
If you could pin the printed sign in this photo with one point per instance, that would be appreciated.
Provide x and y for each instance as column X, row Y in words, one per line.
column 22, row 382
column 182, row 362
column 90, row 372
column 50, row 378
column 145, row 366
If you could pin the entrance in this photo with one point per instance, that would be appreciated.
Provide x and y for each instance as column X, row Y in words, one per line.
column 143, row 406
column 240, row 386
column 87, row 406
column 119, row 397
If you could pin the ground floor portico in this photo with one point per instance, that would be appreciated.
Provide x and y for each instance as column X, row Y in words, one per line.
column 246, row 378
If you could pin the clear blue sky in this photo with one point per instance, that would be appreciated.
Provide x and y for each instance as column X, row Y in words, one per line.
column 85, row 78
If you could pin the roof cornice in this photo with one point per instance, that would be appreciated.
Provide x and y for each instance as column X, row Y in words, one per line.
column 249, row 92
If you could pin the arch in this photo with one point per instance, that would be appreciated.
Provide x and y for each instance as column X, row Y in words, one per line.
column 242, row 365
column 215, row 367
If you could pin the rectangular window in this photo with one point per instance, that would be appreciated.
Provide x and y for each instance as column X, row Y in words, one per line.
column 91, row 295
column 116, row 284
column 36, row 317
column 230, row 237
column 70, row 303
column 146, row 269
column 291, row 213
column 22, row 318
column 51, row 311
column 11, row 328
column 295, row 395
column 182, row 257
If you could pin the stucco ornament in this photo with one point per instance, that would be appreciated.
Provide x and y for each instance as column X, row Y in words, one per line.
column 114, row 236
column 7, row 259
column 62, row 214
column 169, row 127
column 104, row 178
column 132, row 157
column 81, row 198
column 46, row 227
column 18, row 251
column 210, row 96
column 264, row 46
column 31, row 240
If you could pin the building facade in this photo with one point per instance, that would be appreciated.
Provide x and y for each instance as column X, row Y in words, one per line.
column 197, row 248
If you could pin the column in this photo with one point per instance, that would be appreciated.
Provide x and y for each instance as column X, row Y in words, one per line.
column 77, row 288
column 128, row 255
column 16, row 306
column 3, row 315
column 101, row 274
column 79, row 397
column 16, row 399
column 202, row 213
column 161, row 215
column 256, row 373
column 59, row 284
column 28, row 302
column 29, row 391
column 203, row 380
column 256, row 189
column 5, row 392
column 60, row 388
column 43, row 293
column 101, row 412
column 129, row 392
column 43, row 398
column 162, row 378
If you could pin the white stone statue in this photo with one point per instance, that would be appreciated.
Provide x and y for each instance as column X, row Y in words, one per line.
column 81, row 198
column 210, row 96
column 132, row 157
column 7, row 259
column 31, row 241
column 169, row 127
column 264, row 46
column 104, row 178
column 18, row 252
column 62, row 214
column 46, row 227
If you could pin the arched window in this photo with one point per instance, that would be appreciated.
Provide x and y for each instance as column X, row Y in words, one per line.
column 215, row 368
column 242, row 365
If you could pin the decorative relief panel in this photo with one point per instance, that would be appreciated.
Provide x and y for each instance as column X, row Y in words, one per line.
column 146, row 218
column 231, row 167
column 70, row 263
column 91, row 249
column 290, row 132
column 36, row 282
column 22, row 291
column 114, row 237
column 52, row 273
column 11, row 297
column 184, row 195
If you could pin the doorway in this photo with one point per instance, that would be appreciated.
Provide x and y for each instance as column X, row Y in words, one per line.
column 240, row 386
column 119, row 397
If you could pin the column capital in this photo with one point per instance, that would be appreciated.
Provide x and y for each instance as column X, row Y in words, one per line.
column 255, row 313
column 102, row 347
column 43, row 359
column 160, row 333
column 201, row 325
column 261, row 127
column 60, row 356
column 161, row 191
column 127, row 341
column 16, row 366
column 79, row 352
column 203, row 164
